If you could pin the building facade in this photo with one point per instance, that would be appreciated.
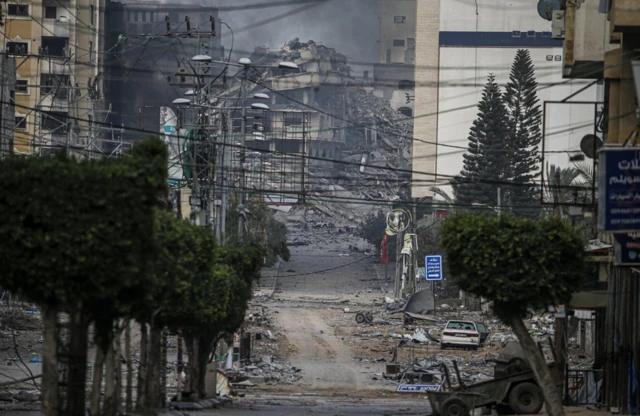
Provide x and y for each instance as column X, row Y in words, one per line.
column 58, row 90
column 458, row 45
column 393, row 74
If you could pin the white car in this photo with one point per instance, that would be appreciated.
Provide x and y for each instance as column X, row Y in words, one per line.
column 460, row 334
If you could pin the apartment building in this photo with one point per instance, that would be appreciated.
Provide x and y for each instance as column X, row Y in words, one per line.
column 58, row 84
column 601, row 41
column 457, row 45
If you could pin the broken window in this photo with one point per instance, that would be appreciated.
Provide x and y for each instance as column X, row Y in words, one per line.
column 399, row 19
column 17, row 48
column 18, row 10
column 398, row 42
column 54, row 84
column 54, row 120
column 54, row 46
column 288, row 146
column 50, row 12
column 91, row 15
column 405, row 85
column 406, row 111
column 293, row 119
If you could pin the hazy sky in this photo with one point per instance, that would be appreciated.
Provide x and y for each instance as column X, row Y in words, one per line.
column 349, row 26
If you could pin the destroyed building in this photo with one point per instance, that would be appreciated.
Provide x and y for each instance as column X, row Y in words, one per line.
column 324, row 128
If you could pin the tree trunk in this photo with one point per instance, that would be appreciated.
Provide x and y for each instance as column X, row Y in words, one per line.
column 154, row 395
column 163, row 366
column 127, row 353
column 110, row 381
column 180, row 366
column 142, row 368
column 118, row 368
column 204, row 351
column 96, row 389
column 50, row 361
column 537, row 362
column 191, row 382
column 78, row 334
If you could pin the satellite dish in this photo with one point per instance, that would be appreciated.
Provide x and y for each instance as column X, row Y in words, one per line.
column 546, row 8
column 590, row 145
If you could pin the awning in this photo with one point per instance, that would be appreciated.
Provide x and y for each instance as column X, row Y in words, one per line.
column 589, row 300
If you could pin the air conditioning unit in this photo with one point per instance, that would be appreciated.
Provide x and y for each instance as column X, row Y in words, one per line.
column 558, row 25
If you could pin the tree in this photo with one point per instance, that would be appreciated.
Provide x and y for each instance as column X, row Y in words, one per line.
column 487, row 160
column 373, row 229
column 524, row 120
column 77, row 237
column 261, row 228
column 517, row 263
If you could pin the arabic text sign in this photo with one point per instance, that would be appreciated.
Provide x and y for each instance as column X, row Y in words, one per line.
column 626, row 248
column 417, row 388
column 433, row 264
column 619, row 190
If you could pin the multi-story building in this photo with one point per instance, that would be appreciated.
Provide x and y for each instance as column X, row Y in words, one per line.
column 457, row 45
column 601, row 41
column 151, row 44
column 393, row 74
column 58, row 86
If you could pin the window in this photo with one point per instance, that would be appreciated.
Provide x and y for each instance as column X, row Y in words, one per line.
column 144, row 16
column 515, row 33
column 388, row 56
column 151, row 17
column 54, row 46
column 50, row 12
column 398, row 42
column 135, row 16
column 21, row 123
column 406, row 111
column 549, row 57
column 531, row 34
column 17, row 48
column 54, row 120
column 22, row 86
column 91, row 15
column 399, row 19
column 546, row 34
column 90, row 51
column 18, row 10
column 54, row 84
column 405, row 84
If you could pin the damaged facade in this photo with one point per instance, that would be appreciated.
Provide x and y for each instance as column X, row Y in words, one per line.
column 324, row 127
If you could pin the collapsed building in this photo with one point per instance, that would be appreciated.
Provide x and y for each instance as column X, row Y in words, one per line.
column 325, row 131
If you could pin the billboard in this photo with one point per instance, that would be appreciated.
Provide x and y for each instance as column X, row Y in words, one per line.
column 619, row 190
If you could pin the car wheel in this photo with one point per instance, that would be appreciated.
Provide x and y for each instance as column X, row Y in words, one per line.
column 360, row 318
column 526, row 399
column 454, row 406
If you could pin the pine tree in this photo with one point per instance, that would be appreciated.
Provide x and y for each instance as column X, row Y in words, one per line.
column 524, row 119
column 485, row 162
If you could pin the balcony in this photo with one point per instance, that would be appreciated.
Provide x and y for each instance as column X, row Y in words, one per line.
column 624, row 16
column 586, row 41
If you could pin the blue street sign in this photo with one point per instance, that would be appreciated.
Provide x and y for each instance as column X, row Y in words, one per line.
column 433, row 264
column 619, row 190
column 417, row 388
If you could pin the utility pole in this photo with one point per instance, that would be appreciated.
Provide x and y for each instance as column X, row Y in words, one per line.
column 559, row 326
column 243, row 132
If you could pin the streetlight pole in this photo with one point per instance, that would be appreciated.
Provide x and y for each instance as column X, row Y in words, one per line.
column 243, row 97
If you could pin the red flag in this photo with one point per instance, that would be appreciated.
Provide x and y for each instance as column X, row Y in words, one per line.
column 384, row 252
